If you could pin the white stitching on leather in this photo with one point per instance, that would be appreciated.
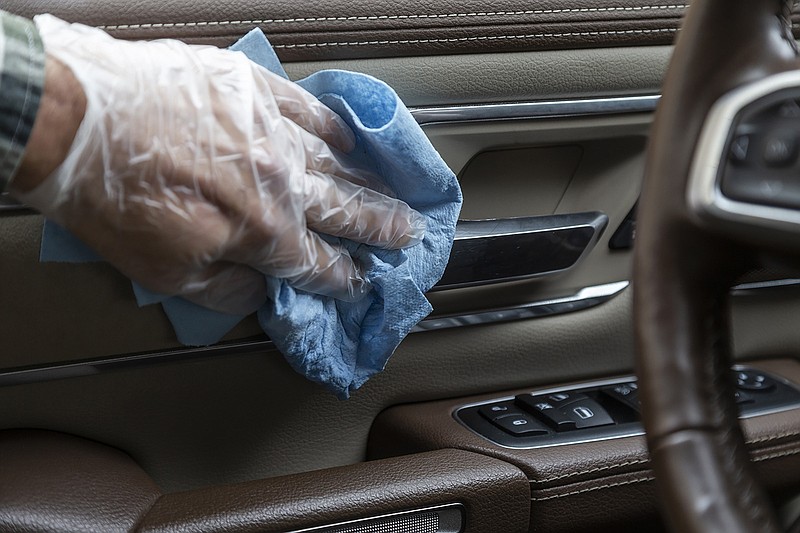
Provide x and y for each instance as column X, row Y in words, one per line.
column 591, row 471
column 479, row 38
column 604, row 468
column 591, row 489
column 774, row 437
column 777, row 455
column 479, row 14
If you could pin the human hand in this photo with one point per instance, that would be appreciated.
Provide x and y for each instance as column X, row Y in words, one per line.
column 194, row 171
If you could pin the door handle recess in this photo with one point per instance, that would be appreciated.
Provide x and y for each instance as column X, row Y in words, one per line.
column 509, row 249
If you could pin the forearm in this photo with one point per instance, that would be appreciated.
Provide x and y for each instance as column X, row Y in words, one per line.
column 21, row 81
column 61, row 110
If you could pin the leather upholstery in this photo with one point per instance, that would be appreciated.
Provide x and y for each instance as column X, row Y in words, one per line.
column 59, row 483
column 495, row 494
column 683, row 270
column 349, row 29
column 576, row 487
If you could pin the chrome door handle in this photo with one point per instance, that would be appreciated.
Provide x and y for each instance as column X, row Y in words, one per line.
column 508, row 249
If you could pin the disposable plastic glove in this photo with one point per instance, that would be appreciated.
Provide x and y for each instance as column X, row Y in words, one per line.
column 195, row 170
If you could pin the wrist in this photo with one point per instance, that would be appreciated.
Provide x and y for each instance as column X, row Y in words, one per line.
column 61, row 110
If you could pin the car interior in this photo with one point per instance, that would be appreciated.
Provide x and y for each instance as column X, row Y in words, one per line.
column 613, row 347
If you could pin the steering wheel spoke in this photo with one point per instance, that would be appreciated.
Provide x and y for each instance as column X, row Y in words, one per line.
column 745, row 173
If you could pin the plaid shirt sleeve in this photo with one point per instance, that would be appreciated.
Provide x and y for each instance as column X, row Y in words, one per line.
column 21, row 82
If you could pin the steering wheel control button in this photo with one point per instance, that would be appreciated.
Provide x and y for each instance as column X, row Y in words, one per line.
column 739, row 149
column 497, row 410
column 761, row 161
column 754, row 381
column 521, row 425
column 780, row 149
column 789, row 109
column 627, row 393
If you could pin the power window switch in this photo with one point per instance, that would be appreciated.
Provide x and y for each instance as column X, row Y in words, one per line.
column 520, row 425
column 627, row 393
column 579, row 414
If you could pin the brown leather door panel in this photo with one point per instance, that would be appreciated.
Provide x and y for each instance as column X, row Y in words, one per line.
column 346, row 29
column 229, row 437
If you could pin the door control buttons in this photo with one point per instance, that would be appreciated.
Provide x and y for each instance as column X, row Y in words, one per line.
column 602, row 410
column 580, row 414
column 497, row 410
column 521, row 424
column 565, row 411
column 627, row 393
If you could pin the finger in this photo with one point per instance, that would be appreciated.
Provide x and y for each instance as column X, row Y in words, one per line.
column 333, row 272
column 226, row 287
column 343, row 209
column 302, row 108
column 321, row 158
column 306, row 261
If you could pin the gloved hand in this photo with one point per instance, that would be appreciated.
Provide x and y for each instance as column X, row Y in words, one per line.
column 195, row 170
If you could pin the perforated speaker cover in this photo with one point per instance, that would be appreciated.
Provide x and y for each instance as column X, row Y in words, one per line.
column 445, row 519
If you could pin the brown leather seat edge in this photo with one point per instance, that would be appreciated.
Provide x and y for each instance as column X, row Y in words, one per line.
column 60, row 483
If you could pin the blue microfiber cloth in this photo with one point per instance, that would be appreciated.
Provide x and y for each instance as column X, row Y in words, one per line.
column 336, row 343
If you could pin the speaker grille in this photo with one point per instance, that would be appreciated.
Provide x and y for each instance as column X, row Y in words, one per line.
column 440, row 519
column 417, row 523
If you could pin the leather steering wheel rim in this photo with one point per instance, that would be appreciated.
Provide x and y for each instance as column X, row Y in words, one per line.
column 683, row 271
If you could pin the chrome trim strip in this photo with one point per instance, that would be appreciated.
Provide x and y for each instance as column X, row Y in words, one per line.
column 583, row 299
column 451, row 518
column 704, row 193
column 503, row 227
column 535, row 110
column 747, row 288
column 22, row 376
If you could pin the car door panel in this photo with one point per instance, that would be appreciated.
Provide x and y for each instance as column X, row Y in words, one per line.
column 80, row 357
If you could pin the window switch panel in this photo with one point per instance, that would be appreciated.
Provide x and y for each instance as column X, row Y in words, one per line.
column 602, row 409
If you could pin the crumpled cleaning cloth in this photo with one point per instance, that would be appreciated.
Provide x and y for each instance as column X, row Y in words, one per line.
column 336, row 343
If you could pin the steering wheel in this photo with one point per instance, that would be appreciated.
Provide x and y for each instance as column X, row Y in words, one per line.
column 719, row 191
